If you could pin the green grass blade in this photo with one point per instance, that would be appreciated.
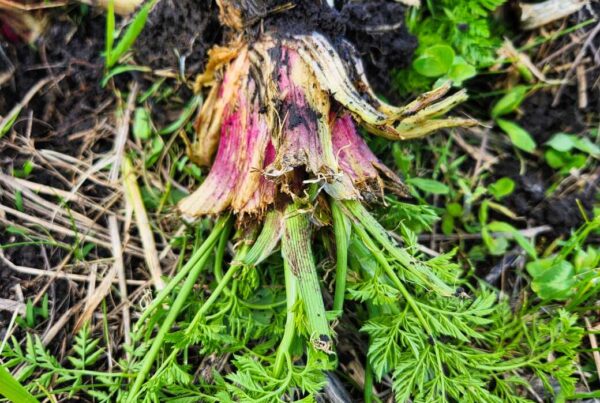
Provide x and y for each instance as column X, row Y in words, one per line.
column 131, row 34
column 12, row 389
column 110, row 30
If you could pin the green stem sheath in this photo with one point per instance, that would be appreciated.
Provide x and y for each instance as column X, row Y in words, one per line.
column 297, row 253
column 341, row 229
column 291, row 291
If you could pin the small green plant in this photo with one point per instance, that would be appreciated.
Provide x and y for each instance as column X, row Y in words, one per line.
column 519, row 137
column 571, row 274
column 456, row 39
column 569, row 151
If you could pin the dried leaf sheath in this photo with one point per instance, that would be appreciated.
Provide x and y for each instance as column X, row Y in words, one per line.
column 235, row 174
column 272, row 117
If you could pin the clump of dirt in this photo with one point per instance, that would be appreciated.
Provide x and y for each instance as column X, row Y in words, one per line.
column 375, row 27
column 305, row 17
column 175, row 29
column 69, row 52
column 378, row 31
column 188, row 28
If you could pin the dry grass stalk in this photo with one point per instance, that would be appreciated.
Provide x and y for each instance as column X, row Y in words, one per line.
column 12, row 306
column 594, row 343
column 57, row 274
column 94, row 299
column 134, row 198
column 120, row 269
column 539, row 14
column 20, row 105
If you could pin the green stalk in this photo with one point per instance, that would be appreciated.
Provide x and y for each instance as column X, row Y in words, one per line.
column 341, row 229
column 291, row 292
column 362, row 233
column 405, row 259
column 267, row 239
column 297, row 252
column 199, row 258
column 221, row 224
column 12, row 389
column 213, row 297
column 221, row 246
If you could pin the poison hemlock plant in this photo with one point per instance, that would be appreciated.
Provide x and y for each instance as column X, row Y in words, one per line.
column 244, row 317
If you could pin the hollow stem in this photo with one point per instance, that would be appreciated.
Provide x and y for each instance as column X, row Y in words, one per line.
column 297, row 253
column 341, row 229
column 370, row 224
column 291, row 292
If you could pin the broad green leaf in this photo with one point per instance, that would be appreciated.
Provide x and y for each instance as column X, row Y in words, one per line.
column 447, row 224
column 454, row 209
column 435, row 61
column 564, row 160
column 586, row 259
column 562, row 142
column 157, row 146
column 552, row 281
column 502, row 187
column 519, row 136
column 509, row 102
column 566, row 142
column 585, row 144
column 429, row 185
column 461, row 71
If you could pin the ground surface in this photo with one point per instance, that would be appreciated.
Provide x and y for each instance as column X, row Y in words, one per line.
column 57, row 192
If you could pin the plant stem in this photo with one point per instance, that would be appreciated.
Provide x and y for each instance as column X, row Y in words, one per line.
column 403, row 257
column 220, row 254
column 291, row 292
column 220, row 225
column 297, row 253
column 213, row 297
column 12, row 389
column 341, row 228
column 392, row 275
column 267, row 239
column 199, row 258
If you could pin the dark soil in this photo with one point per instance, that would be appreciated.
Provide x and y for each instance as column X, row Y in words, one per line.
column 378, row 31
column 179, row 29
column 375, row 27
column 542, row 120
column 68, row 48
column 562, row 213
